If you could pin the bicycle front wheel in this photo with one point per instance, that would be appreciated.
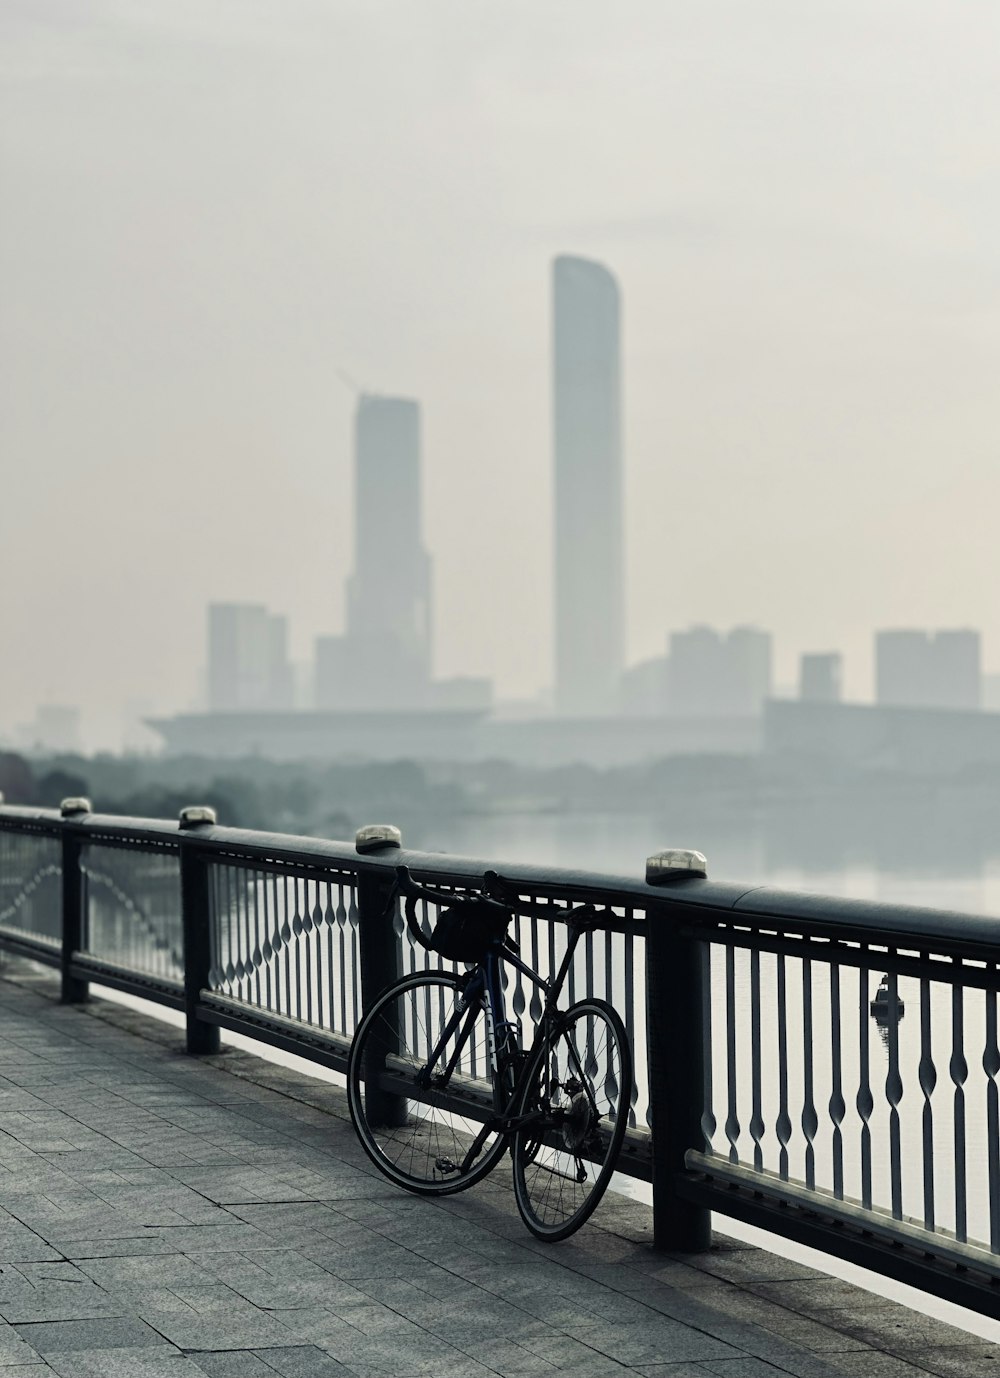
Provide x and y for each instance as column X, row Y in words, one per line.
column 578, row 1090
column 420, row 1086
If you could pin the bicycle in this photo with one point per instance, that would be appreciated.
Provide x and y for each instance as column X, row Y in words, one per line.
column 439, row 1085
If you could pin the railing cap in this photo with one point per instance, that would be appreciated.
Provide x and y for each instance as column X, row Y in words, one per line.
column 675, row 863
column 375, row 835
column 69, row 808
column 198, row 815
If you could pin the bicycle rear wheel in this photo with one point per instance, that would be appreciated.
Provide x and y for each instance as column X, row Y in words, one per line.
column 579, row 1082
column 417, row 1121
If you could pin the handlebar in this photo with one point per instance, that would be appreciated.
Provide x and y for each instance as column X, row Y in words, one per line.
column 410, row 891
column 584, row 917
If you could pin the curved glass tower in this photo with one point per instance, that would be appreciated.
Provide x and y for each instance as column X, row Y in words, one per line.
column 586, row 381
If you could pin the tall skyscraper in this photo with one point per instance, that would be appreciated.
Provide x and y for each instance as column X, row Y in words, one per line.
column 385, row 661
column 586, row 378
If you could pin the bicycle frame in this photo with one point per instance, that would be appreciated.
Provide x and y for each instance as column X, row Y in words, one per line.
column 485, row 985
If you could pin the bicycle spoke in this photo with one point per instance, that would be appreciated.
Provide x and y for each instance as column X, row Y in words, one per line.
column 581, row 1085
column 419, row 1135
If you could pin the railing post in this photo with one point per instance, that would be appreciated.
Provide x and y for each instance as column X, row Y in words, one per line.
column 196, row 920
column 676, row 1025
column 74, row 908
column 380, row 955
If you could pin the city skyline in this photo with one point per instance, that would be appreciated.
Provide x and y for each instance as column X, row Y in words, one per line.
column 809, row 337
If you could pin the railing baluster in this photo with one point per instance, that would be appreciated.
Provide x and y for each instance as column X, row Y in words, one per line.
column 927, row 1077
column 258, row 956
column 296, row 943
column 214, row 970
column 991, row 1066
column 230, row 969
column 267, row 949
column 732, row 1119
column 246, row 935
column 609, row 967
column 958, row 1070
column 244, row 965
column 286, row 943
column 552, row 945
column 330, row 980
column 756, row 1115
column 865, row 1101
column 344, row 1024
column 837, row 1106
column 535, row 1007
column 629, row 1011
column 353, row 920
column 894, row 1094
column 810, row 1119
column 519, row 999
column 783, row 1126
column 708, row 1124
column 317, row 923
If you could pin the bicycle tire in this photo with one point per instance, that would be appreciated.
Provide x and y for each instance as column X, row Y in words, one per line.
column 420, row 1140
column 582, row 1074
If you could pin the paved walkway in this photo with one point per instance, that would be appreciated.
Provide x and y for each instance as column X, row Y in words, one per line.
column 164, row 1217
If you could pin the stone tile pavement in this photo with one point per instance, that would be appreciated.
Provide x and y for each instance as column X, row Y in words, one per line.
column 166, row 1217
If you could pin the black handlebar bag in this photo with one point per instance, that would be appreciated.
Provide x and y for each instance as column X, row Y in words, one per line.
column 466, row 929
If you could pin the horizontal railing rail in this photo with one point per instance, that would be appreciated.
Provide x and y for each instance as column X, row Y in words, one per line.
column 827, row 1069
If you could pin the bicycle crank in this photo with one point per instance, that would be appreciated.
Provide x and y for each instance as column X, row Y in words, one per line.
column 445, row 1165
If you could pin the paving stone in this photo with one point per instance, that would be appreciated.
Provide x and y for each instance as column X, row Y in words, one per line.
column 219, row 1329
column 653, row 1342
column 745, row 1367
column 27, row 1370
column 975, row 1360
column 681, row 1370
column 874, row 1364
column 131, row 1246
column 13, row 1349
column 303, row 1361
column 115, row 1332
column 232, row 1363
column 160, row 1362
column 316, row 1325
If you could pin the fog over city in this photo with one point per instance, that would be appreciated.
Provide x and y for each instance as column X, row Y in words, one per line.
column 222, row 222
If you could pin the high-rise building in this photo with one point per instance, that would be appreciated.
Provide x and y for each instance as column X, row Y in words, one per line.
column 956, row 671
column 586, row 376
column 820, row 677
column 384, row 659
column 644, row 688
column 711, row 675
column 918, row 669
column 247, row 658
column 56, row 728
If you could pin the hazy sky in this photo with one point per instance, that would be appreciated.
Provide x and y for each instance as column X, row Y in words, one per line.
column 209, row 208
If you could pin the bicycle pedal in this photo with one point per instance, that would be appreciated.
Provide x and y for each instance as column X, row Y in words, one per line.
column 445, row 1165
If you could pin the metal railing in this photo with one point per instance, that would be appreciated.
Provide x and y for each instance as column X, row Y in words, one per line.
column 823, row 1068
